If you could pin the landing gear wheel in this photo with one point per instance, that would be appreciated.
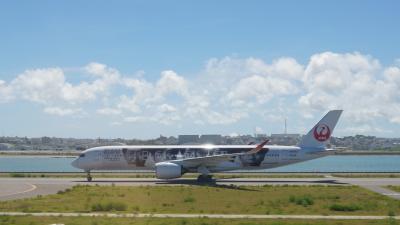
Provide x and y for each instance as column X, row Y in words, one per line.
column 88, row 177
column 204, row 178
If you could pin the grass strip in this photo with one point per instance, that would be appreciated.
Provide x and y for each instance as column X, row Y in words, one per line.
column 218, row 199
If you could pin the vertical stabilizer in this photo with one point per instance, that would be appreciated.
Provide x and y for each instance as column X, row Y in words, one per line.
column 322, row 131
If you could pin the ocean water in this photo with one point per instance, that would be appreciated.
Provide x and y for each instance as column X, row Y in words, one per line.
column 36, row 164
column 337, row 163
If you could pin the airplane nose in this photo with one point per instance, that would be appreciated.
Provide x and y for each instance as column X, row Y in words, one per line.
column 75, row 163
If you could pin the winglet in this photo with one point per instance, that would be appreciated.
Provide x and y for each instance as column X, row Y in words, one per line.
column 258, row 148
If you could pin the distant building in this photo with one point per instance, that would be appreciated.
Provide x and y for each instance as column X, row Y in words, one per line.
column 5, row 146
column 260, row 135
column 285, row 135
column 188, row 139
column 171, row 141
column 36, row 141
column 211, row 139
column 284, row 139
column 45, row 140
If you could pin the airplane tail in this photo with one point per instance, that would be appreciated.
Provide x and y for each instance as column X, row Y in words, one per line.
column 317, row 137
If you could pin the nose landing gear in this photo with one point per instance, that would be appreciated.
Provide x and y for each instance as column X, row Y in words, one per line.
column 88, row 176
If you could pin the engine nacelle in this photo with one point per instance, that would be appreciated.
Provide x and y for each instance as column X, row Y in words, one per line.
column 167, row 170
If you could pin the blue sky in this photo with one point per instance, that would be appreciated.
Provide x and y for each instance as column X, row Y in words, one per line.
column 145, row 68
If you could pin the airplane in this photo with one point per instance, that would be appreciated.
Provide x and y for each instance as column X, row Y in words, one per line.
column 172, row 161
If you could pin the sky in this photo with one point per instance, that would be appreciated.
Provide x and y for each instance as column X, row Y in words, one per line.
column 140, row 69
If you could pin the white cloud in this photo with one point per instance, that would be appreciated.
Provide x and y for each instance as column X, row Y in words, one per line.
column 146, row 94
column 259, row 88
column 134, row 119
column 165, row 108
column 164, row 114
column 109, row 111
column 283, row 67
column 392, row 75
column 102, row 71
column 214, row 117
column 49, row 85
column 364, row 129
column 227, row 71
column 40, row 85
column 142, row 89
column 397, row 62
column 116, row 124
column 6, row 93
column 226, row 91
column 170, row 82
column 166, row 118
column 332, row 72
column 353, row 82
column 128, row 104
column 96, row 68
column 252, row 80
column 258, row 130
column 58, row 111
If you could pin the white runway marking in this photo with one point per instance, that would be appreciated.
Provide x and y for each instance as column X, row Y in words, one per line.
column 32, row 187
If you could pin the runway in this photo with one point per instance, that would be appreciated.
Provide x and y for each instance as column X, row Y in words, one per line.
column 17, row 188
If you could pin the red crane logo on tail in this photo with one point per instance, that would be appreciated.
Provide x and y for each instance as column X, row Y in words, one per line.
column 322, row 132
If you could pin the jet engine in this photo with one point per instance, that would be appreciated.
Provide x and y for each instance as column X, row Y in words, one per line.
column 168, row 170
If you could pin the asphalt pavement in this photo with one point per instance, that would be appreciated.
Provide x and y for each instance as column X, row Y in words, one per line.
column 16, row 188
column 194, row 215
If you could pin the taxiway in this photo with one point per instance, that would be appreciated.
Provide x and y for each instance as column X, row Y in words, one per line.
column 16, row 188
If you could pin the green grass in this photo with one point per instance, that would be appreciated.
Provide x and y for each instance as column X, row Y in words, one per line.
column 345, row 208
column 394, row 149
column 29, row 220
column 18, row 175
column 109, row 206
column 394, row 188
column 366, row 175
column 284, row 199
column 301, row 200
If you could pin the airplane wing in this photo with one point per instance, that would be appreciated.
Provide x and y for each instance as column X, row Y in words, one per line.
column 213, row 160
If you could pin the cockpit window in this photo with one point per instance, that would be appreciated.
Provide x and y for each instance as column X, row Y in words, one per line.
column 82, row 155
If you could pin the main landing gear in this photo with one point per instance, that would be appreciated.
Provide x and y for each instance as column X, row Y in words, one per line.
column 88, row 176
column 204, row 175
column 203, row 178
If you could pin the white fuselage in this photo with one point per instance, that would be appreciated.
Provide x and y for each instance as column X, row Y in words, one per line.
column 145, row 157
